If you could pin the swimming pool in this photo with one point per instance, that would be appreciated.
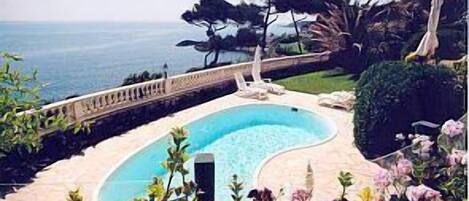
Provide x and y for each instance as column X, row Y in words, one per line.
column 240, row 138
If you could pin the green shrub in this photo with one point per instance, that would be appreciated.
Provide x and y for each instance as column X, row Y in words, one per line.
column 286, row 39
column 290, row 49
column 392, row 95
column 141, row 77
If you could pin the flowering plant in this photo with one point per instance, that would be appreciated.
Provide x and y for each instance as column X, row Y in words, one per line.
column 301, row 194
column 427, row 170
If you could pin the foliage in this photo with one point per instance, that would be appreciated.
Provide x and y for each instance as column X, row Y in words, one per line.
column 366, row 194
column 75, row 195
column 285, row 39
column 319, row 82
column 427, row 172
column 393, row 95
column 345, row 180
column 174, row 164
column 156, row 189
column 461, row 71
column 216, row 15
column 289, row 49
column 298, row 7
column 360, row 33
column 209, row 14
column 236, row 187
column 141, row 77
column 246, row 37
column 21, row 120
column 451, row 33
column 367, row 33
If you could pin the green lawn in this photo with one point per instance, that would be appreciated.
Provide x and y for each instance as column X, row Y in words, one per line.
column 319, row 82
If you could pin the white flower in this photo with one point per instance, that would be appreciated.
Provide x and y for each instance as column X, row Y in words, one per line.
column 400, row 137
column 382, row 179
column 452, row 128
column 422, row 192
column 457, row 157
column 423, row 145
column 420, row 138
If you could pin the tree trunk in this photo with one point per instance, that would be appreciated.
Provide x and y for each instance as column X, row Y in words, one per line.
column 297, row 32
column 215, row 58
column 266, row 24
column 206, row 58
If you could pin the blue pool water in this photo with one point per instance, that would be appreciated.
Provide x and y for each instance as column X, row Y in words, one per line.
column 240, row 139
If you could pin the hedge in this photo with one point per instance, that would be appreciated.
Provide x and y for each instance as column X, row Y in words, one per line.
column 392, row 95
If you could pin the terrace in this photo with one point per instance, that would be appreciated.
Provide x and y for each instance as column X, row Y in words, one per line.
column 352, row 121
column 90, row 170
column 87, row 170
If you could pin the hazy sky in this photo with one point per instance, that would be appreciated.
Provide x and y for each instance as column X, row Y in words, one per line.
column 94, row 10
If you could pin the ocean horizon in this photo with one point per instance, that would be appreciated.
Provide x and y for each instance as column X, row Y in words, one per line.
column 77, row 58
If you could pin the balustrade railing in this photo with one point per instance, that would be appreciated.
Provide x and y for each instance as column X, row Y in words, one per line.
column 104, row 102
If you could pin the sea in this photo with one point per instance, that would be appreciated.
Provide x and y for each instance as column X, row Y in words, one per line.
column 77, row 58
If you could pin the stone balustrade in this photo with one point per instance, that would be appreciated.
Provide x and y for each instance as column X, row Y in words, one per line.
column 97, row 104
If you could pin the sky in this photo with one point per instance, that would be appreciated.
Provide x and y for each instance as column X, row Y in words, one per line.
column 94, row 10
column 101, row 10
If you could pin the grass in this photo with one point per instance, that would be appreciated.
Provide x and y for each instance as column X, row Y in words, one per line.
column 319, row 82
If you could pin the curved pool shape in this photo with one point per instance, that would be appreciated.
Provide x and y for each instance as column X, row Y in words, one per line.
column 240, row 138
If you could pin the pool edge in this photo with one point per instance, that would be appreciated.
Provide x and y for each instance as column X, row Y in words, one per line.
column 333, row 135
column 331, row 124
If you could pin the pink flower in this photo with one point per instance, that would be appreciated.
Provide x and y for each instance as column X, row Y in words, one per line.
column 452, row 128
column 424, row 145
column 415, row 193
column 402, row 170
column 432, row 194
column 422, row 192
column 457, row 157
column 404, row 167
column 301, row 194
column 382, row 179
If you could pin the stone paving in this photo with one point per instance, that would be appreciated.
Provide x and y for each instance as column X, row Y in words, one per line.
column 289, row 168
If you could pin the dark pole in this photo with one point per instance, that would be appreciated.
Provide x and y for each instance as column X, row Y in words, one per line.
column 165, row 71
column 266, row 25
column 204, row 168
column 297, row 31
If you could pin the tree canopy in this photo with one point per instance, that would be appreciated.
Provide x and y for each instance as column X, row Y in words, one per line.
column 216, row 15
column 300, row 6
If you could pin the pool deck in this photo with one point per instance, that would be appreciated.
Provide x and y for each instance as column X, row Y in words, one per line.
column 287, row 168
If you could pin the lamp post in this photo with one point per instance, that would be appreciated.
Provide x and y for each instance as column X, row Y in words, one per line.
column 165, row 71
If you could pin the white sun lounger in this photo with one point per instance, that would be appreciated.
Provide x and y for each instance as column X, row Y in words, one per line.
column 339, row 99
column 267, row 84
column 257, row 79
column 245, row 89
